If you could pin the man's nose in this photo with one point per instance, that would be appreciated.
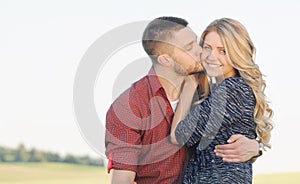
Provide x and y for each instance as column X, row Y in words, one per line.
column 198, row 51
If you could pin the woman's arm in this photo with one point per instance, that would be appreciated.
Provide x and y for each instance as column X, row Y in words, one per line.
column 183, row 107
column 224, row 105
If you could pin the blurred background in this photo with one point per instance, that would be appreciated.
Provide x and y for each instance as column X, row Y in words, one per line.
column 42, row 43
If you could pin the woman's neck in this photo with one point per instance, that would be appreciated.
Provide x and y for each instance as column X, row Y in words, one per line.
column 220, row 78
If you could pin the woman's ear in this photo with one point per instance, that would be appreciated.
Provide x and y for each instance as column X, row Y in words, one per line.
column 164, row 60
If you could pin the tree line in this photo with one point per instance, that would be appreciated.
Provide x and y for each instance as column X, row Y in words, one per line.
column 21, row 154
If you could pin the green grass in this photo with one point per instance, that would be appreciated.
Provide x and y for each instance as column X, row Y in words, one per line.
column 49, row 173
column 282, row 178
column 59, row 173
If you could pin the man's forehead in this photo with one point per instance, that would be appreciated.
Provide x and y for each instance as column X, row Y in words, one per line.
column 184, row 36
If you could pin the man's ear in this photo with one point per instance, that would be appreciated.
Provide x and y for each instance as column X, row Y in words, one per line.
column 164, row 60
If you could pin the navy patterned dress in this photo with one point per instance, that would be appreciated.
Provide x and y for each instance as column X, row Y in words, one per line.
column 226, row 111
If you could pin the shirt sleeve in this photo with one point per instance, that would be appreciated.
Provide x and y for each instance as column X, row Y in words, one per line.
column 221, row 106
column 123, row 135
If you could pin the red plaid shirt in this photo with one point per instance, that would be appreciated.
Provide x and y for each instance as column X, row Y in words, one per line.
column 138, row 124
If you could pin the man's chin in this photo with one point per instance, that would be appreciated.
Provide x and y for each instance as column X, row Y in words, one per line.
column 195, row 72
column 198, row 70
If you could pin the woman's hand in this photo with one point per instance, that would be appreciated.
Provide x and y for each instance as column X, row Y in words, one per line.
column 191, row 81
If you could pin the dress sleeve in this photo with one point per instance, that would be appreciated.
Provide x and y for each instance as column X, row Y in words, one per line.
column 224, row 105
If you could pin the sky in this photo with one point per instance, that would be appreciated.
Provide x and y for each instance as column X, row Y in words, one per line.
column 42, row 44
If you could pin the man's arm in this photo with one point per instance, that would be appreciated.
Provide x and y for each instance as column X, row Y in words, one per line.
column 122, row 140
column 238, row 149
column 122, row 176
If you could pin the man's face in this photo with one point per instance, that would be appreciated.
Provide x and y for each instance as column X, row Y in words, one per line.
column 186, row 53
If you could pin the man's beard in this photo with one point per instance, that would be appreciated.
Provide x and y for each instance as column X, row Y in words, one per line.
column 179, row 70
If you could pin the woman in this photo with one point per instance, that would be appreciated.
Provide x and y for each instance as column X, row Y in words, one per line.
column 236, row 105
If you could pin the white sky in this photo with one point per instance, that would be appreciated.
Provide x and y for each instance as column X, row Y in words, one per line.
column 42, row 42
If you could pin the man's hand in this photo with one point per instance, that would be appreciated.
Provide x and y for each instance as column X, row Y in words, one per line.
column 122, row 176
column 238, row 149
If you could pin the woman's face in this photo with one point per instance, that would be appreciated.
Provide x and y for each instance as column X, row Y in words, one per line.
column 214, row 58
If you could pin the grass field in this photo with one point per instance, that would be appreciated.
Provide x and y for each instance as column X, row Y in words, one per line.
column 284, row 178
column 49, row 173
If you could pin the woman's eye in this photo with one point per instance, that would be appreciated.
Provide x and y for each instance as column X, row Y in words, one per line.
column 223, row 52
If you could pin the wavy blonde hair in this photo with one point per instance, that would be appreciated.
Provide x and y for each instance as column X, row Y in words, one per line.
column 240, row 53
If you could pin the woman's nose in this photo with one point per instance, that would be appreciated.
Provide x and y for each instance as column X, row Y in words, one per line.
column 212, row 55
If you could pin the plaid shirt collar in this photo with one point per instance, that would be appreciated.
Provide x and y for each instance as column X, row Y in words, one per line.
column 155, row 85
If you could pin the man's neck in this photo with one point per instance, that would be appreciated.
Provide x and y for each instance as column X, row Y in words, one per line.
column 171, row 82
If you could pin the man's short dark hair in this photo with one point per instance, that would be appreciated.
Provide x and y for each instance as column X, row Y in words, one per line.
column 160, row 30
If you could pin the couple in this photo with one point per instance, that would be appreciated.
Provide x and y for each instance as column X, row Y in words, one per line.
column 217, row 138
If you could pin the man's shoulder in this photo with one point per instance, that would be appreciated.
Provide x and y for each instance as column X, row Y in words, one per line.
column 142, row 84
column 138, row 89
column 133, row 100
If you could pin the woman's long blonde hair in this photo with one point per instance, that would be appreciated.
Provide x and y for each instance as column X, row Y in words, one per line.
column 240, row 53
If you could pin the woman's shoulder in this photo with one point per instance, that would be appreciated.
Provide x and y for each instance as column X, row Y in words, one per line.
column 237, row 93
column 234, row 86
column 234, row 81
column 237, row 83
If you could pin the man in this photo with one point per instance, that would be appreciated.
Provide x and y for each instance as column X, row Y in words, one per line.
column 138, row 122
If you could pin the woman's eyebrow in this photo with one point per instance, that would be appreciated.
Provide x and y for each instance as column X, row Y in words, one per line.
column 219, row 47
